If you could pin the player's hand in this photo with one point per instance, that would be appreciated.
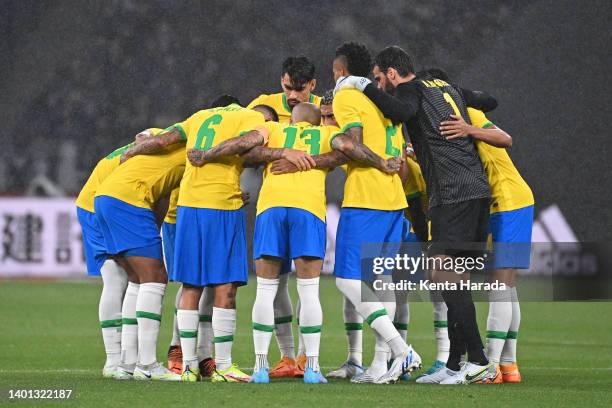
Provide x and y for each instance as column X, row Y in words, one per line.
column 196, row 157
column 302, row 160
column 456, row 128
column 142, row 136
column 392, row 165
column 410, row 151
column 246, row 197
column 351, row 82
column 283, row 166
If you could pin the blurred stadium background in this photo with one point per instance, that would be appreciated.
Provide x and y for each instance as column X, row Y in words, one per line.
column 82, row 77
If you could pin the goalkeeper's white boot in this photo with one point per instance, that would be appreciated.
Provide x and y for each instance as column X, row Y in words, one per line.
column 437, row 376
column 407, row 362
column 347, row 370
column 472, row 373
column 155, row 372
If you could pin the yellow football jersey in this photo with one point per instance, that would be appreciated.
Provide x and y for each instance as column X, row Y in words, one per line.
column 144, row 179
column 103, row 169
column 171, row 213
column 415, row 183
column 508, row 189
column 215, row 185
column 367, row 187
column 304, row 189
column 278, row 101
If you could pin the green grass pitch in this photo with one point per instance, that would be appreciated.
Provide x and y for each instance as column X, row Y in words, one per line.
column 49, row 338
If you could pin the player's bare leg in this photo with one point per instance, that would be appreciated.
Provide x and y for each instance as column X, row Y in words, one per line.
column 267, row 270
column 308, row 271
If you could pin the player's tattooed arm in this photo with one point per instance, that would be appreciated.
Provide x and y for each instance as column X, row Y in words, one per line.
column 261, row 154
column 153, row 144
column 322, row 161
column 457, row 128
column 230, row 147
column 350, row 145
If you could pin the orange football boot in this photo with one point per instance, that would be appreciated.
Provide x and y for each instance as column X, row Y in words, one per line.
column 207, row 367
column 510, row 373
column 284, row 368
column 300, row 366
column 175, row 359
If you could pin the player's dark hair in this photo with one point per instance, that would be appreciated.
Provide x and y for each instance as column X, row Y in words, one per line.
column 394, row 57
column 328, row 97
column 224, row 100
column 437, row 73
column 357, row 57
column 299, row 69
column 268, row 109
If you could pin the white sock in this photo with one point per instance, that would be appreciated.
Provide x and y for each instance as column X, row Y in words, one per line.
column 283, row 316
column 311, row 319
column 301, row 348
column 205, row 331
column 114, row 281
column 224, row 327
column 402, row 315
column 353, row 323
column 263, row 319
column 441, row 330
column 498, row 322
column 508, row 355
column 188, row 328
column 148, row 313
column 374, row 313
column 381, row 356
column 176, row 338
column 129, row 332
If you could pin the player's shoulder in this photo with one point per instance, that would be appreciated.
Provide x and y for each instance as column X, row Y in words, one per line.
column 477, row 117
column 330, row 130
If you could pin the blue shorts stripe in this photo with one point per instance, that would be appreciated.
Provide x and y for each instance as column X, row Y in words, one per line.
column 168, row 239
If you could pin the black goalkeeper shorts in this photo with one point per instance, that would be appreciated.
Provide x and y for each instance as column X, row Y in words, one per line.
column 459, row 229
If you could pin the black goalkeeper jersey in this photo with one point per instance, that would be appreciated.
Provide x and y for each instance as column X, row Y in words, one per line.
column 452, row 169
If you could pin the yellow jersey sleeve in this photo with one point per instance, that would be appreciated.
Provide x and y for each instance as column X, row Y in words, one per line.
column 347, row 113
column 508, row 189
column 367, row 187
column 103, row 169
column 306, row 189
column 215, row 185
column 415, row 183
